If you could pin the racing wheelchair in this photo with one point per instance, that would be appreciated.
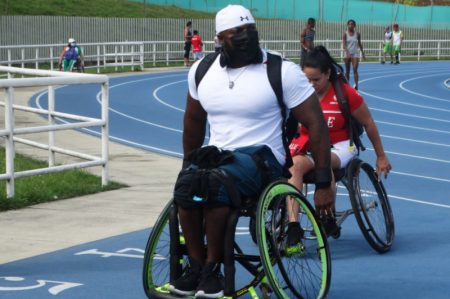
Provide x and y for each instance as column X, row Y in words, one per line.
column 301, row 271
column 369, row 203
column 71, row 65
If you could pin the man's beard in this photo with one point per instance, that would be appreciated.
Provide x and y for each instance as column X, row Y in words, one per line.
column 244, row 48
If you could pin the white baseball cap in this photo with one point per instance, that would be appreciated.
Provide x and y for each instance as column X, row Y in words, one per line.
column 233, row 16
column 71, row 40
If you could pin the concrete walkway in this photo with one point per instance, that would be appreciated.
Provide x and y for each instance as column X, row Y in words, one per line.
column 53, row 226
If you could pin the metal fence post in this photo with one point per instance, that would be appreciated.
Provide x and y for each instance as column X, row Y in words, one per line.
column 418, row 52
column 439, row 50
column 105, row 133
column 154, row 54
column 51, row 122
column 9, row 142
column 132, row 57
column 142, row 56
column 51, row 58
column 37, row 58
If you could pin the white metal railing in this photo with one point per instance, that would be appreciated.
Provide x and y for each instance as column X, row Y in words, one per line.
column 99, row 55
column 136, row 54
column 10, row 132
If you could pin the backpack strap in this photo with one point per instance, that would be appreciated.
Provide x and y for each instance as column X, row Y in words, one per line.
column 204, row 66
column 343, row 105
column 274, row 63
column 345, row 108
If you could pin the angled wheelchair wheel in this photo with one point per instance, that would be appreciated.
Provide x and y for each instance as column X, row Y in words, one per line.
column 163, row 257
column 301, row 271
column 371, row 206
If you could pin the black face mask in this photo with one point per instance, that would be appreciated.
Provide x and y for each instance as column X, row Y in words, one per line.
column 244, row 47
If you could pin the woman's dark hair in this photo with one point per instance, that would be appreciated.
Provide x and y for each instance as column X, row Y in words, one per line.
column 351, row 21
column 189, row 23
column 320, row 58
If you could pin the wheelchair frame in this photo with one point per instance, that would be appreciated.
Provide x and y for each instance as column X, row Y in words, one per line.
column 370, row 203
column 275, row 266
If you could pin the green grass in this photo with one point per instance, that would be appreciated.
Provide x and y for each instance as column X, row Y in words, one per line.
column 48, row 187
column 96, row 8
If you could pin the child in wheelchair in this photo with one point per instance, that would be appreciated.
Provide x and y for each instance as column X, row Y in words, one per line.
column 322, row 70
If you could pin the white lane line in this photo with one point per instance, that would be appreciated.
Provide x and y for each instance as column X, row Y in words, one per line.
column 403, row 103
column 415, row 140
column 396, row 101
column 38, row 104
column 410, row 115
column 419, row 201
column 421, row 176
column 420, row 94
column 412, row 127
column 155, row 95
column 145, row 79
column 400, row 198
column 414, row 156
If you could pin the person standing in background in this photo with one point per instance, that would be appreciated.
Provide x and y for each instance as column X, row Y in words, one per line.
column 187, row 42
column 387, row 42
column 307, row 39
column 397, row 41
column 351, row 42
column 197, row 46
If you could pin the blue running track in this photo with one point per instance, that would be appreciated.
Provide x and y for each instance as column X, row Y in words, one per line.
column 411, row 105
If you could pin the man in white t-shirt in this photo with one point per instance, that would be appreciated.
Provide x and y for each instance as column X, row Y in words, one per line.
column 236, row 100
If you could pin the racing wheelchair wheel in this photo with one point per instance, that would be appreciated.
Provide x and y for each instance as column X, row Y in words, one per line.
column 371, row 206
column 165, row 241
column 301, row 271
column 166, row 255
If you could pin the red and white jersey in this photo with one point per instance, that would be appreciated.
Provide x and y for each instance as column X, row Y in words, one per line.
column 333, row 117
column 197, row 43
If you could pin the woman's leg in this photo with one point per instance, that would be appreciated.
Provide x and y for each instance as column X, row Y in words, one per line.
column 302, row 165
column 347, row 68
column 355, row 64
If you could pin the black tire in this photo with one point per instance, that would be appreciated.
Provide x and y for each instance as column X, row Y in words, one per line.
column 159, row 263
column 304, row 272
column 371, row 206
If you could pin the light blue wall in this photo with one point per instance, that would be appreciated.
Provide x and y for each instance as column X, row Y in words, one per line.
column 363, row 11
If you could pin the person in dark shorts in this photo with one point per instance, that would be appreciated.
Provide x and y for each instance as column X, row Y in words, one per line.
column 187, row 42
column 307, row 39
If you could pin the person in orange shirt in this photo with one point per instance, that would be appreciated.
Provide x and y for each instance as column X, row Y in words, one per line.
column 197, row 46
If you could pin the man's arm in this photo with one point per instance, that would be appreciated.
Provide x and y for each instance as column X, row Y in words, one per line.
column 310, row 115
column 194, row 124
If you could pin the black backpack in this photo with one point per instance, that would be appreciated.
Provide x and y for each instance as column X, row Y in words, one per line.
column 354, row 127
column 290, row 124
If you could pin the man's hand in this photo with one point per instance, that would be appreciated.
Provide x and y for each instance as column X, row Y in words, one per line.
column 324, row 201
